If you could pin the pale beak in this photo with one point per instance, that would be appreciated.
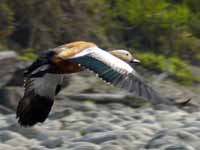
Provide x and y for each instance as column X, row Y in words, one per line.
column 135, row 61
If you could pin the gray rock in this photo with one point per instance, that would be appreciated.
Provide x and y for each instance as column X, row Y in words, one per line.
column 3, row 122
column 137, row 116
column 111, row 147
column 193, row 130
column 7, row 135
column 20, row 148
column 8, row 59
column 115, row 106
column 178, row 147
column 38, row 147
column 193, row 124
column 120, row 143
column 5, row 110
column 16, row 140
column 21, row 142
column 17, row 78
column 64, row 134
column 76, row 126
column 172, row 137
column 10, row 96
column 6, row 147
column 59, row 114
column 171, row 124
column 146, row 128
column 52, row 125
column 11, row 119
column 186, row 136
column 142, row 131
column 83, row 146
column 159, row 140
column 99, row 138
column 172, row 116
column 101, row 127
column 53, row 143
column 92, row 114
column 116, row 121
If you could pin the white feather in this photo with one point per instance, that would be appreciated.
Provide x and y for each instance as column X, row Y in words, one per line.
column 107, row 58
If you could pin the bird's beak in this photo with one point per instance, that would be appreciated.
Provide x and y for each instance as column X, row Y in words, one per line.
column 135, row 61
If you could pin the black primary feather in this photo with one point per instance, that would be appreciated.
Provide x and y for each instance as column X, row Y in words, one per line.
column 33, row 108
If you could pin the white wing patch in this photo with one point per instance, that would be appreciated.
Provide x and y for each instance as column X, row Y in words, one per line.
column 107, row 58
column 117, row 72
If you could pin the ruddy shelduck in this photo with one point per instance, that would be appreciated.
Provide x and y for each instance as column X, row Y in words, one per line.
column 44, row 77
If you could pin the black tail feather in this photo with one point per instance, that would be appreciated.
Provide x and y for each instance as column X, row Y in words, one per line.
column 33, row 108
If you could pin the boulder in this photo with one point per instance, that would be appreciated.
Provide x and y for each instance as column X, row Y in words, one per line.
column 10, row 96
column 8, row 60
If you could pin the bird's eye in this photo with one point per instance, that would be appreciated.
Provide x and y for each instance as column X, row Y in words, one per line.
column 127, row 54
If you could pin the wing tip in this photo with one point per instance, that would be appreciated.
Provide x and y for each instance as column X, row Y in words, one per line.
column 33, row 109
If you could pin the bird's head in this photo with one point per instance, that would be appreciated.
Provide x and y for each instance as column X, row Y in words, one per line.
column 124, row 55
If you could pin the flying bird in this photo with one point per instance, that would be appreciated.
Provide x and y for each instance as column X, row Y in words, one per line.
column 44, row 77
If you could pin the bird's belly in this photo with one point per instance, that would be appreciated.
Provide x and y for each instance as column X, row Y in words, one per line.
column 66, row 67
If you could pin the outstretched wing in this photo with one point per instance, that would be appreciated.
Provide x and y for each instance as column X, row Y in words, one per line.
column 38, row 99
column 117, row 72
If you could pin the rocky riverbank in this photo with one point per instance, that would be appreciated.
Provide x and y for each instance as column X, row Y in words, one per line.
column 90, row 126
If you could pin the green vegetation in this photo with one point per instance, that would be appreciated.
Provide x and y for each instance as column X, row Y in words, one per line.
column 168, row 30
column 177, row 68
column 83, row 132
column 28, row 56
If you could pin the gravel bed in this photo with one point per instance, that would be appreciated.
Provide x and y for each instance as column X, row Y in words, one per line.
column 89, row 126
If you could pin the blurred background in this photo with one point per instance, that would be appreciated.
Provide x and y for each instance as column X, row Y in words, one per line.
column 163, row 34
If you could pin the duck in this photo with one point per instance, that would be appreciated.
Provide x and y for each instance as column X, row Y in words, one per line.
column 44, row 77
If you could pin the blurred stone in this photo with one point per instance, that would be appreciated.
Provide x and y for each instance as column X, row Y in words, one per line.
column 3, row 122
column 159, row 140
column 10, row 96
column 101, row 127
column 83, row 146
column 172, row 137
column 111, row 147
column 101, row 137
column 18, row 75
column 8, row 59
column 179, row 147
column 16, row 140
column 21, row 142
column 6, row 147
column 171, row 124
column 66, row 135
column 120, row 143
column 38, row 148
column 53, row 125
column 52, row 142
column 6, row 135
column 5, row 110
